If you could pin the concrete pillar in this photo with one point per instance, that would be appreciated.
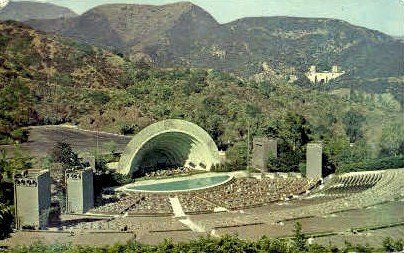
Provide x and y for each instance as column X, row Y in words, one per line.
column 263, row 148
column 314, row 160
column 273, row 147
column 80, row 190
column 32, row 190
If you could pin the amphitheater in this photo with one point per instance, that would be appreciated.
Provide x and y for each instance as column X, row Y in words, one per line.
column 254, row 205
column 347, row 191
column 359, row 207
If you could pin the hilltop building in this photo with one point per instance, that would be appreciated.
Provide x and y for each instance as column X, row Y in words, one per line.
column 32, row 192
column 3, row 3
column 323, row 77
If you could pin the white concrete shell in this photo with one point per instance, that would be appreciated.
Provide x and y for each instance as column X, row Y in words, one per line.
column 174, row 142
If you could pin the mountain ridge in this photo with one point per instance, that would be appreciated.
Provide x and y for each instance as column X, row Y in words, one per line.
column 26, row 10
column 185, row 35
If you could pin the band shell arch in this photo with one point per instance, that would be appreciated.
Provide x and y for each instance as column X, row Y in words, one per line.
column 168, row 143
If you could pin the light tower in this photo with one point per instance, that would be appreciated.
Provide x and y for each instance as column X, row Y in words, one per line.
column 32, row 192
column 80, row 190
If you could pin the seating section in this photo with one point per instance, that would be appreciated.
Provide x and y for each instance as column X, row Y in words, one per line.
column 351, row 183
column 238, row 193
column 250, row 192
column 137, row 203
column 151, row 204
column 389, row 186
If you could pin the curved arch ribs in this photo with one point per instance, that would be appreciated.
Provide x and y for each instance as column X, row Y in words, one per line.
column 169, row 143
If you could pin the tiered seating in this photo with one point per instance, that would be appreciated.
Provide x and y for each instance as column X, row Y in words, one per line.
column 151, row 204
column 120, row 206
column 389, row 185
column 236, row 194
column 246, row 192
column 192, row 203
column 137, row 203
column 350, row 183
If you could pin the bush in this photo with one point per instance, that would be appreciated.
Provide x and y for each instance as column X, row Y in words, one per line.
column 391, row 245
column 63, row 153
column 224, row 167
column 129, row 129
column 99, row 97
column 6, row 221
column 299, row 238
column 20, row 135
column 394, row 162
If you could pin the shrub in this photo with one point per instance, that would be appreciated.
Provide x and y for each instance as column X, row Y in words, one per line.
column 6, row 221
column 299, row 238
column 63, row 153
column 99, row 97
column 384, row 163
column 20, row 135
column 391, row 245
column 129, row 129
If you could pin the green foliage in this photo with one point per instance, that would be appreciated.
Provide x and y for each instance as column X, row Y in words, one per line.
column 353, row 153
column 16, row 108
column 358, row 248
column 394, row 162
column 104, row 177
column 226, row 167
column 97, row 90
column 20, row 135
column 299, row 238
column 353, row 121
column 237, row 156
column 99, row 97
column 390, row 245
column 392, row 140
column 18, row 162
column 224, row 244
column 128, row 129
column 6, row 221
column 63, row 153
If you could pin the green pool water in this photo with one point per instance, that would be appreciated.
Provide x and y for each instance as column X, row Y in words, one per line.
column 183, row 185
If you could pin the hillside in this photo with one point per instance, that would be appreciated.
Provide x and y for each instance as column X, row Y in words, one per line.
column 26, row 10
column 133, row 29
column 48, row 80
column 185, row 35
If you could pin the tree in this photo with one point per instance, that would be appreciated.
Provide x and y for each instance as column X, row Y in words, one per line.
column 391, row 245
column 353, row 121
column 392, row 141
column 299, row 238
column 237, row 155
column 6, row 221
column 294, row 131
column 63, row 153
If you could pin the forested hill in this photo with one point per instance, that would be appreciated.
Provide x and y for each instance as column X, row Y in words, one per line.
column 49, row 80
column 183, row 34
column 26, row 10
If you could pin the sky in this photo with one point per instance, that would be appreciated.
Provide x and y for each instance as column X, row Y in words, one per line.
column 383, row 15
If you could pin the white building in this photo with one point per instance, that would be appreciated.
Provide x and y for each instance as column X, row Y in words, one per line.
column 3, row 3
column 323, row 77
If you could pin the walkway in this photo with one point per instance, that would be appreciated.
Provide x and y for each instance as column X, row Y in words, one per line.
column 179, row 213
